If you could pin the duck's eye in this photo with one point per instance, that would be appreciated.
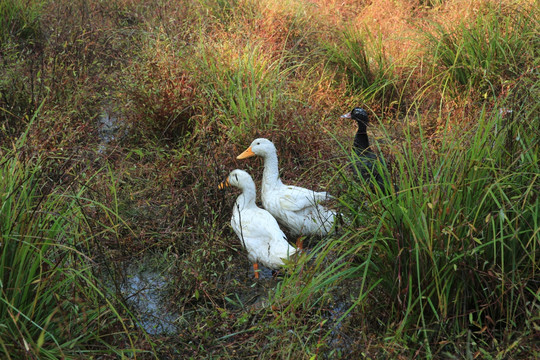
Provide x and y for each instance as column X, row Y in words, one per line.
column 258, row 143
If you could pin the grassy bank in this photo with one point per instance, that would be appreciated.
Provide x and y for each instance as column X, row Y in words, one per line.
column 444, row 266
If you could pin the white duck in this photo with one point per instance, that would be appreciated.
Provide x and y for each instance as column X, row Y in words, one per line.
column 294, row 207
column 256, row 228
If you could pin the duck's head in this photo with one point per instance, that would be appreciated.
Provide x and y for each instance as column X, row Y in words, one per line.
column 259, row 147
column 357, row 114
column 237, row 178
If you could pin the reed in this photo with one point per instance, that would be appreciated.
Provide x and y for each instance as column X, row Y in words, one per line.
column 369, row 73
column 480, row 57
column 52, row 305
column 458, row 243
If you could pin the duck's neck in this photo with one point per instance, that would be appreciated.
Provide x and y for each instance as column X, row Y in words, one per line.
column 247, row 198
column 361, row 141
column 270, row 173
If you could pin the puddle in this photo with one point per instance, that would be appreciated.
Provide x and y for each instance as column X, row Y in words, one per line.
column 145, row 292
column 145, row 288
column 337, row 339
column 264, row 273
column 109, row 126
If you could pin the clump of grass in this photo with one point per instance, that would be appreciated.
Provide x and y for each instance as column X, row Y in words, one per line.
column 458, row 244
column 245, row 88
column 20, row 22
column 162, row 93
column 369, row 73
column 481, row 56
column 51, row 304
column 318, row 286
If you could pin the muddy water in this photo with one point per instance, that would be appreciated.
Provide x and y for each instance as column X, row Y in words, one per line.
column 145, row 289
column 109, row 124
column 145, row 292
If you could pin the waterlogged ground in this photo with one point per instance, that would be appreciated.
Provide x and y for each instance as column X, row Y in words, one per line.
column 146, row 285
column 109, row 128
column 145, row 290
column 175, row 93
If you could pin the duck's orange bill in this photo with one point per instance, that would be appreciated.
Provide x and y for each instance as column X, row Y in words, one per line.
column 224, row 184
column 246, row 154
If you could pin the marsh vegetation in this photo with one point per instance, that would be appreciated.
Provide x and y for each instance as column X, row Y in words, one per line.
column 118, row 120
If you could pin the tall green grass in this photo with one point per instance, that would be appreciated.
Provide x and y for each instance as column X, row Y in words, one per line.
column 480, row 57
column 52, row 306
column 306, row 312
column 248, row 92
column 361, row 59
column 19, row 21
column 458, row 246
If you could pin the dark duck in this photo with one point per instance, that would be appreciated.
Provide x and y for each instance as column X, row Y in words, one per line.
column 364, row 162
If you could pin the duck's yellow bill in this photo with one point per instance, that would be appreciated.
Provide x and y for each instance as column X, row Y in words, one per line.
column 246, row 154
column 224, row 184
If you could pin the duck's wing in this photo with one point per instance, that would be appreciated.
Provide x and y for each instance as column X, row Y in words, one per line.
column 258, row 225
column 294, row 198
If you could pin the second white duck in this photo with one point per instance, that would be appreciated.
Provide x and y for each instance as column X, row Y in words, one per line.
column 294, row 207
column 256, row 228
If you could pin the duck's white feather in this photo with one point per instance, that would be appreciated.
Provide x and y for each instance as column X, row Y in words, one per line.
column 294, row 207
column 256, row 228
column 294, row 198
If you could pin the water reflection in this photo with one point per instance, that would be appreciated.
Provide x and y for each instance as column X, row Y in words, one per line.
column 145, row 290
column 109, row 124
